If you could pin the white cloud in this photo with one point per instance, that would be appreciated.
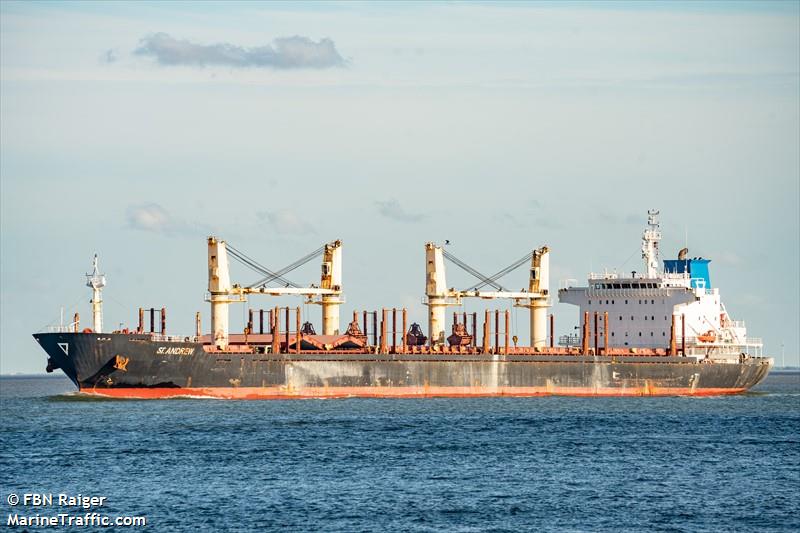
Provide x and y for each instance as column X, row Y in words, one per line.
column 285, row 53
column 152, row 217
column 392, row 209
column 286, row 222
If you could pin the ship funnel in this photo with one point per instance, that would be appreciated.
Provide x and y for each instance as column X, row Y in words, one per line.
column 219, row 285
column 331, row 278
column 436, row 292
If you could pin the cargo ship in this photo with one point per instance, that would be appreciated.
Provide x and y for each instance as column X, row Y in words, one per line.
column 661, row 332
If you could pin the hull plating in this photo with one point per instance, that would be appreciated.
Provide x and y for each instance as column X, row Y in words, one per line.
column 136, row 366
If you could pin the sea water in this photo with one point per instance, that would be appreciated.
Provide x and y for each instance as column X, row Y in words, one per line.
column 481, row 464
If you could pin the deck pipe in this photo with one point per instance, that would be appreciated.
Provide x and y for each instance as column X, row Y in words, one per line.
column 508, row 318
column 405, row 326
column 486, row 332
column 683, row 335
column 474, row 329
column 605, row 333
column 140, row 329
column 497, row 330
column 297, row 334
column 384, row 325
column 163, row 320
column 394, row 329
column 552, row 331
column 672, row 332
column 76, row 322
column 275, row 325
column 585, row 339
column 197, row 328
column 287, row 328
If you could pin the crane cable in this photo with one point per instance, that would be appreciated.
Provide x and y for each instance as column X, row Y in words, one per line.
column 278, row 274
column 461, row 264
column 254, row 265
column 497, row 275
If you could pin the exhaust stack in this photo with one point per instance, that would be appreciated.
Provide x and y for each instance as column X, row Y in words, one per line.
column 219, row 285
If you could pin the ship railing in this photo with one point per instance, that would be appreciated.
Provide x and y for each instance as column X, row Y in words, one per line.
column 569, row 340
column 69, row 328
column 750, row 346
column 158, row 337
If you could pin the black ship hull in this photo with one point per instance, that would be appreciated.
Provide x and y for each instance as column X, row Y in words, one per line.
column 138, row 366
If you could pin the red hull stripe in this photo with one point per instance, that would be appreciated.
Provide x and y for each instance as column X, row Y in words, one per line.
column 275, row 393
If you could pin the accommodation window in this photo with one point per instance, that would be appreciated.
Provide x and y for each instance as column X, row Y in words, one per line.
column 663, row 334
column 654, row 302
column 631, row 317
column 640, row 333
column 620, row 317
column 612, row 302
column 651, row 333
column 645, row 317
column 652, row 317
column 626, row 302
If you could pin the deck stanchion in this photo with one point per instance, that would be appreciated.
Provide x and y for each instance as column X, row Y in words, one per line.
column 486, row 332
column 405, row 325
column 508, row 319
column 586, row 333
column 275, row 324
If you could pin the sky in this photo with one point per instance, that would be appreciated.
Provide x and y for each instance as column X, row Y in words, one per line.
column 135, row 130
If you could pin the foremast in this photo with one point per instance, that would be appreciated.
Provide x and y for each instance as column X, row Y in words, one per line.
column 96, row 281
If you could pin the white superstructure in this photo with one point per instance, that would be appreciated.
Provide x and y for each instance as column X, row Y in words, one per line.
column 641, row 307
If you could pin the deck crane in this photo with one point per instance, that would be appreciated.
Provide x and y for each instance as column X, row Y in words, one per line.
column 221, row 292
column 438, row 296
